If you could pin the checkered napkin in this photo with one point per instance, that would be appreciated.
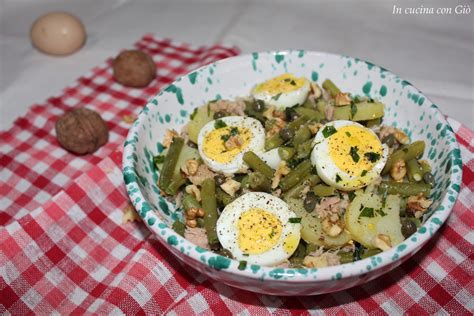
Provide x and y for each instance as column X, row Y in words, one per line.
column 64, row 246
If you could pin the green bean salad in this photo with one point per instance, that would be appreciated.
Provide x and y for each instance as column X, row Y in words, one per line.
column 294, row 175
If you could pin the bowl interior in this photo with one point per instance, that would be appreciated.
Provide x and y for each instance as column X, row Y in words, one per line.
column 406, row 108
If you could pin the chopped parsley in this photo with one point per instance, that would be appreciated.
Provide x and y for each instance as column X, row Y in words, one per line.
column 353, row 109
column 353, row 152
column 338, row 178
column 348, row 134
column 225, row 137
column 294, row 220
column 352, row 195
column 272, row 234
column 364, row 172
column 405, row 150
column 293, row 83
column 276, row 97
column 219, row 124
column 372, row 157
column 328, row 131
column 367, row 212
column 242, row 265
column 234, row 131
column 380, row 212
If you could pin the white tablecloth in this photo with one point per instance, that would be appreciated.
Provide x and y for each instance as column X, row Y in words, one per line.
column 433, row 52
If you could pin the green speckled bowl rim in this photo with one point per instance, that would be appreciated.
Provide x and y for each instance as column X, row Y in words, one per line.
column 292, row 275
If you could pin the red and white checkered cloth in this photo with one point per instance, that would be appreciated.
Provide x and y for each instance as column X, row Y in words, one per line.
column 64, row 248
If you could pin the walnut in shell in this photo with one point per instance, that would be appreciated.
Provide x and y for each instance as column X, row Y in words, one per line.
column 81, row 131
column 134, row 68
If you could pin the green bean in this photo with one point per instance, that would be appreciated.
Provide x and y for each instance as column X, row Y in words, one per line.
column 323, row 190
column 257, row 164
column 405, row 188
column 414, row 170
column 374, row 122
column 310, row 114
column 330, row 87
column 167, row 171
column 222, row 197
column 259, row 182
column 176, row 182
column 308, row 104
column 363, row 111
column 345, row 257
column 304, row 149
column 245, row 182
column 189, row 201
column 179, row 227
column 311, row 248
column 416, row 221
column 321, row 106
column 302, row 135
column 286, row 153
column 209, row 204
column 295, row 191
column 369, row 253
column 276, row 140
column 425, row 166
column 295, row 176
column 300, row 251
column 406, row 153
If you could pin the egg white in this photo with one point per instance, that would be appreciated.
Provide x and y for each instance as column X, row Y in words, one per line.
column 285, row 99
column 271, row 157
column 237, row 164
column 228, row 231
column 328, row 170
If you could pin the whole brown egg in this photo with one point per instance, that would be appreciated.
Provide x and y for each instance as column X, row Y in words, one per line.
column 58, row 33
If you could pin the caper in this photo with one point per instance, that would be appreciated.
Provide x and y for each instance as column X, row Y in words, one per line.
column 310, row 201
column 220, row 179
column 286, row 134
column 408, row 228
column 290, row 114
column 258, row 106
column 219, row 115
column 389, row 140
column 429, row 179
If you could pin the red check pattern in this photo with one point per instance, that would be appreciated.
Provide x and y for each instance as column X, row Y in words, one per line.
column 64, row 248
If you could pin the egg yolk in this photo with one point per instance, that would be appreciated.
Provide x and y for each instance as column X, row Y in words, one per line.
column 291, row 243
column 259, row 231
column 281, row 84
column 354, row 149
column 224, row 144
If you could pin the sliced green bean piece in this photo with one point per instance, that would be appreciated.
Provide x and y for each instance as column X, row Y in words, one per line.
column 330, row 87
column 304, row 149
column 374, row 122
column 222, row 197
column 309, row 104
column 414, row 171
column 276, row 140
column 405, row 188
column 189, row 201
column 363, row 111
column 179, row 227
column 406, row 153
column 259, row 182
column 302, row 135
column 257, row 164
column 166, row 175
column 416, row 221
column 324, row 190
column 321, row 106
column 295, row 176
column 286, row 153
column 176, row 182
column 295, row 191
column 345, row 257
column 209, row 204
column 369, row 253
column 310, row 114
column 425, row 166
column 311, row 248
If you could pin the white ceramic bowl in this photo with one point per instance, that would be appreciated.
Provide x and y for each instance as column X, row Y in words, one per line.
column 406, row 108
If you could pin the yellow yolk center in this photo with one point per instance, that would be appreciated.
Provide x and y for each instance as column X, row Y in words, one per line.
column 281, row 84
column 348, row 148
column 224, row 144
column 259, row 231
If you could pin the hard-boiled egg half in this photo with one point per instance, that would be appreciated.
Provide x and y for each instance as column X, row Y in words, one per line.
column 283, row 91
column 348, row 155
column 223, row 142
column 259, row 228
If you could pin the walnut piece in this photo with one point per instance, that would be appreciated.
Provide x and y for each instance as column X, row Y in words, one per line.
column 418, row 205
column 332, row 228
column 401, row 137
column 168, row 139
column 81, row 131
column 134, row 68
column 315, row 90
column 193, row 190
column 230, row 187
column 190, row 167
column 342, row 99
column 398, row 170
column 281, row 171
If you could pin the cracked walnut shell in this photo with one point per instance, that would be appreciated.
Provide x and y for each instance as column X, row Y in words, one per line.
column 81, row 131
